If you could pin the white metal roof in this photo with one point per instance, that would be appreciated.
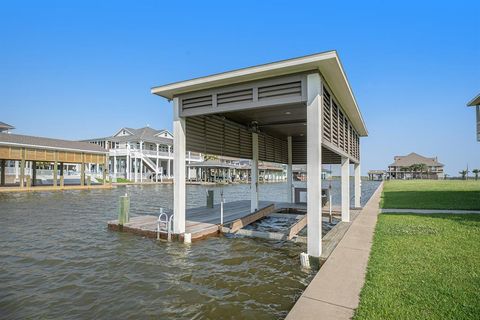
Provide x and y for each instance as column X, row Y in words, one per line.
column 328, row 63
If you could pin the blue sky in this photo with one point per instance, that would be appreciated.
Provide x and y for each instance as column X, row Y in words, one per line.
column 81, row 69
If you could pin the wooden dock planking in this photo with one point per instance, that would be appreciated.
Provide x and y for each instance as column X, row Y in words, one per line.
column 200, row 222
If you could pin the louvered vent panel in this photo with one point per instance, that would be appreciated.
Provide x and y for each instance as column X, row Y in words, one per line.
column 335, row 133
column 284, row 152
column 345, row 134
column 341, row 131
column 217, row 136
column 327, row 125
column 280, row 90
column 299, row 152
column 214, row 135
column 351, row 144
column 245, row 140
column 232, row 138
column 262, row 152
column 197, row 102
column 235, row 96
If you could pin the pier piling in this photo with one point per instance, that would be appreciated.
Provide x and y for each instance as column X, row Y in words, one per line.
column 124, row 209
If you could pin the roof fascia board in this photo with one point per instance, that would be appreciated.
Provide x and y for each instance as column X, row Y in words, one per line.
column 50, row 148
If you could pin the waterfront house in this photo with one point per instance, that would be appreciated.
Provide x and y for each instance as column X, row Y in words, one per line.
column 4, row 127
column 377, row 175
column 143, row 154
column 475, row 102
column 415, row 166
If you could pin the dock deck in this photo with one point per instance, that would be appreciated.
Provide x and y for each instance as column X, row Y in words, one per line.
column 200, row 222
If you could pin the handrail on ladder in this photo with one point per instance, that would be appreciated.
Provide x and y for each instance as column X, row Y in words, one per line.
column 165, row 223
column 160, row 221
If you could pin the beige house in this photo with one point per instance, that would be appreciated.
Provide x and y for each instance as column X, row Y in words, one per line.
column 415, row 166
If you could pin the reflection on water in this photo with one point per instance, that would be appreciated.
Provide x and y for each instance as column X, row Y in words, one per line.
column 58, row 260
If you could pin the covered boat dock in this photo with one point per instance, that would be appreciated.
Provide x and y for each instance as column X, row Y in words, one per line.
column 297, row 111
column 25, row 154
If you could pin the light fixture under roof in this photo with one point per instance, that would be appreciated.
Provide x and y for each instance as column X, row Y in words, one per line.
column 288, row 112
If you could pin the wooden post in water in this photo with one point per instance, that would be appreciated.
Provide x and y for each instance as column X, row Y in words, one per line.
column 34, row 173
column 22, row 169
column 123, row 210
column 55, row 172
column 2, row 174
column 82, row 171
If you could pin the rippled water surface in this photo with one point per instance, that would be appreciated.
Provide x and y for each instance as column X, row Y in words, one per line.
column 58, row 260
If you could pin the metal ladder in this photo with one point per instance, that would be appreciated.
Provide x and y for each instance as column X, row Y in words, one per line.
column 165, row 223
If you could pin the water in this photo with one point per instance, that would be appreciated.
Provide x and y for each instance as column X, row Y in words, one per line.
column 58, row 260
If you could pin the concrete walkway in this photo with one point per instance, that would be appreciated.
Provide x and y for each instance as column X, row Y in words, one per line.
column 428, row 211
column 334, row 292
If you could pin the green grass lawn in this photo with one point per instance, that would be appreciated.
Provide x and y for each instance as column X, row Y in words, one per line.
column 423, row 267
column 431, row 194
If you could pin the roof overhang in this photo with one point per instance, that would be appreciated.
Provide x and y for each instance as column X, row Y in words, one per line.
column 474, row 102
column 328, row 63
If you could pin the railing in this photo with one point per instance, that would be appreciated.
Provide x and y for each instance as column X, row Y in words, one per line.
column 194, row 156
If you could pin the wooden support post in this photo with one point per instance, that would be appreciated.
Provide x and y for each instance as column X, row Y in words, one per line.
column 123, row 210
column 55, row 171
column 82, row 171
column 34, row 172
column 105, row 169
column 2, row 173
column 22, row 169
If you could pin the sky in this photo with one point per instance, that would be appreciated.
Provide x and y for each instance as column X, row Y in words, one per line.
column 84, row 69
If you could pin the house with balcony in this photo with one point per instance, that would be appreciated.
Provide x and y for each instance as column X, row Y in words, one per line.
column 143, row 154
column 415, row 166
column 5, row 128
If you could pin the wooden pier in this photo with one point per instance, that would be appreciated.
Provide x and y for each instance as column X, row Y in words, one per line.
column 202, row 222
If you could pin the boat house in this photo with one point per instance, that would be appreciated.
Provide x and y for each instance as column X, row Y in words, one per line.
column 296, row 111
column 30, row 161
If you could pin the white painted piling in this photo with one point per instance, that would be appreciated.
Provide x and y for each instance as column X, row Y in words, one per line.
column 304, row 260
